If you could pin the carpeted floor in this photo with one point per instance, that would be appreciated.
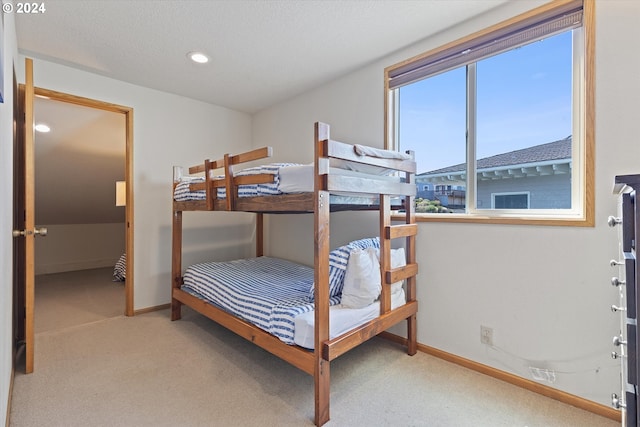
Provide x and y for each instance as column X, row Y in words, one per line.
column 149, row 371
column 76, row 297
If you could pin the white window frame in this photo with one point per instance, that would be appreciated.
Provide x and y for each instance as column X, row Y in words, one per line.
column 582, row 210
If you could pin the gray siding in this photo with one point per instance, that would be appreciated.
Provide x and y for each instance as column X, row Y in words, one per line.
column 545, row 192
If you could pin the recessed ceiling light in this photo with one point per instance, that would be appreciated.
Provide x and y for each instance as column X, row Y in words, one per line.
column 41, row 127
column 198, row 57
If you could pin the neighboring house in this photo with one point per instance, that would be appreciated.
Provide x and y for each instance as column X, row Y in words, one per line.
column 537, row 177
column 425, row 190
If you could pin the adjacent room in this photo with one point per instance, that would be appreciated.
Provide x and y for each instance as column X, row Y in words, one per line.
column 434, row 195
column 80, row 157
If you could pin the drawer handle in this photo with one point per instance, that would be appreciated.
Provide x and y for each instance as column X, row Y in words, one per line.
column 617, row 282
column 617, row 341
column 616, row 402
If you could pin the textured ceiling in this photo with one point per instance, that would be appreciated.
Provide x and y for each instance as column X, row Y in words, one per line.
column 262, row 52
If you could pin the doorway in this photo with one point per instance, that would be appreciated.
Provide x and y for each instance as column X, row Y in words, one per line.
column 24, row 208
column 87, row 205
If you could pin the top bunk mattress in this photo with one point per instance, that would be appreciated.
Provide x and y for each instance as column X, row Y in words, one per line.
column 288, row 178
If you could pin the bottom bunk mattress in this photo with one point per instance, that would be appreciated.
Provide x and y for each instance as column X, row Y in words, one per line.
column 273, row 294
column 341, row 319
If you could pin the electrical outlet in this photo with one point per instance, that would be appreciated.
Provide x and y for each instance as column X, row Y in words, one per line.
column 542, row 374
column 486, row 335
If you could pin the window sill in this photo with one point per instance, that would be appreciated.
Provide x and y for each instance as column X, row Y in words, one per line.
column 567, row 221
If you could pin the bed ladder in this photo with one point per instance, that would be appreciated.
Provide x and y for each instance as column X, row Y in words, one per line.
column 407, row 230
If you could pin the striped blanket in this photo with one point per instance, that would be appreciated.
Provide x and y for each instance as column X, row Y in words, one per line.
column 182, row 192
column 267, row 292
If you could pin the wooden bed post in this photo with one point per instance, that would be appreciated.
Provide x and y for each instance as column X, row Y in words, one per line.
column 385, row 252
column 410, row 218
column 259, row 234
column 176, row 263
column 228, row 183
column 209, row 190
column 321, row 277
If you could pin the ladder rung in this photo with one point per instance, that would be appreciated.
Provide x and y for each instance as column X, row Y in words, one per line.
column 397, row 274
column 400, row 230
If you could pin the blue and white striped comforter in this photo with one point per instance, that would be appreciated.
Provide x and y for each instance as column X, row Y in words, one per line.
column 182, row 192
column 268, row 292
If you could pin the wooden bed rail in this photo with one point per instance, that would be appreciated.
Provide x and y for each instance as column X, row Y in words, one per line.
column 340, row 150
column 216, row 164
column 227, row 178
column 249, row 156
column 336, row 347
column 350, row 184
column 330, row 149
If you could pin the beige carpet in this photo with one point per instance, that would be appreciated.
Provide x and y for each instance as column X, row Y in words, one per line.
column 149, row 371
column 76, row 297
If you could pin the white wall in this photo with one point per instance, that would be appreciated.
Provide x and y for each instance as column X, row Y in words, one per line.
column 544, row 290
column 8, row 51
column 168, row 130
column 71, row 247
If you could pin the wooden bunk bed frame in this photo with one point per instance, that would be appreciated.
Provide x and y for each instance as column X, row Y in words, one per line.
column 316, row 362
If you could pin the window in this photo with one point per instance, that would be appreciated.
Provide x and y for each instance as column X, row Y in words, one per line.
column 510, row 201
column 498, row 120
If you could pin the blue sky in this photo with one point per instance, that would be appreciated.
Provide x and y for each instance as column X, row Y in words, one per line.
column 524, row 99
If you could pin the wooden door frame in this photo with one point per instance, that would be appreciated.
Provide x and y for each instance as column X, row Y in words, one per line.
column 19, row 250
column 128, row 113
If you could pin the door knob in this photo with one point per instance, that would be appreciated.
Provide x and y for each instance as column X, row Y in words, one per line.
column 41, row 231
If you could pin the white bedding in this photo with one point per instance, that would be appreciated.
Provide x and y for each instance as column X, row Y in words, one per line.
column 341, row 320
column 289, row 178
column 299, row 178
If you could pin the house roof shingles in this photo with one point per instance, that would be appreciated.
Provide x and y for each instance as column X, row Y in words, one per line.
column 556, row 150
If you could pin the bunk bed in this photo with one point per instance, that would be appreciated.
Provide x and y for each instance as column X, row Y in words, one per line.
column 342, row 177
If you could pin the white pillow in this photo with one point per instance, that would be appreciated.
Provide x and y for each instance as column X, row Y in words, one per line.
column 398, row 259
column 362, row 284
